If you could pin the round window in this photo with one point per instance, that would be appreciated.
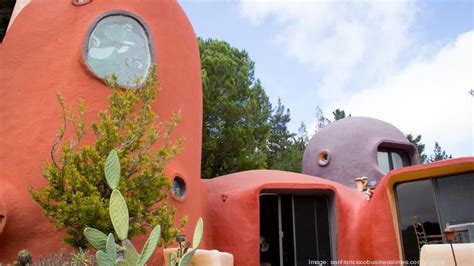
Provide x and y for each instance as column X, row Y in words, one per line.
column 179, row 187
column 118, row 43
column 323, row 158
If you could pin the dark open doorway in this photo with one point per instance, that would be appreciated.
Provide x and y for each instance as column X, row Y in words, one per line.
column 6, row 10
column 294, row 229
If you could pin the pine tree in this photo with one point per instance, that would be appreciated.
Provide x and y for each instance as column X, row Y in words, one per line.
column 280, row 137
column 419, row 146
column 321, row 120
column 236, row 111
column 339, row 114
column 439, row 154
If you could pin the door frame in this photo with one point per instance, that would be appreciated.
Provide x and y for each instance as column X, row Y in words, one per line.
column 332, row 215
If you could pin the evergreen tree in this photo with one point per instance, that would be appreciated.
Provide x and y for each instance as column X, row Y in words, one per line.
column 439, row 154
column 297, row 150
column 321, row 120
column 292, row 156
column 420, row 147
column 236, row 111
column 302, row 138
column 339, row 114
column 280, row 137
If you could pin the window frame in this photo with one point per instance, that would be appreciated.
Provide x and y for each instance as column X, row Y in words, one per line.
column 404, row 155
column 140, row 21
column 433, row 180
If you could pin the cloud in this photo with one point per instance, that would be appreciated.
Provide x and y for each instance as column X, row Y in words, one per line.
column 347, row 43
column 430, row 96
column 366, row 59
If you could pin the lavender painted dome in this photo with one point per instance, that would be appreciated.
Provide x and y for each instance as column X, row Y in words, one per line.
column 355, row 147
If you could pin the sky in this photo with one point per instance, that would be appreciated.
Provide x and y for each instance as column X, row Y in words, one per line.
column 409, row 63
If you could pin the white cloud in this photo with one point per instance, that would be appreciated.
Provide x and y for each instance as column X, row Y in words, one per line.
column 356, row 49
column 428, row 97
column 346, row 43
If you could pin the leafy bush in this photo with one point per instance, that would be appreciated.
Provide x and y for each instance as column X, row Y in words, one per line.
column 77, row 194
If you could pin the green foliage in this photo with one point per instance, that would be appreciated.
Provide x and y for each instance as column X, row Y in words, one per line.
column 439, row 154
column 292, row 156
column 280, row 137
column 285, row 149
column 107, row 254
column 236, row 111
column 339, row 114
column 77, row 194
column 419, row 146
column 321, row 120
column 185, row 251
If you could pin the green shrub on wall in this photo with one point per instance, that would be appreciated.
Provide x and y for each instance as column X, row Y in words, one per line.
column 77, row 194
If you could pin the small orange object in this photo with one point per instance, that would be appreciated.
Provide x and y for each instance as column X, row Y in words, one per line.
column 449, row 234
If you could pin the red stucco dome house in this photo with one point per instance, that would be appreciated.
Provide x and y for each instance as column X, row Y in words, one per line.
column 262, row 217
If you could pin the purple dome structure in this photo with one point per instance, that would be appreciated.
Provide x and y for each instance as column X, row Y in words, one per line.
column 356, row 147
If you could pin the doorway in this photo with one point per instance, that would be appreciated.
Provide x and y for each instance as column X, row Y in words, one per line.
column 294, row 229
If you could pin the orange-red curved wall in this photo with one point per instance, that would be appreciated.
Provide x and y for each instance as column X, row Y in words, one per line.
column 366, row 229
column 41, row 55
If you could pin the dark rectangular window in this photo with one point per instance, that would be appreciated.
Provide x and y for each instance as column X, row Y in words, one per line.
column 432, row 205
column 456, row 198
column 416, row 204
column 390, row 159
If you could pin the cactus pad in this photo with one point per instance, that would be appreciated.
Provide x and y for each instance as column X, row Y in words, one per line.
column 119, row 214
column 198, row 233
column 112, row 169
column 110, row 248
column 103, row 259
column 150, row 245
column 96, row 238
column 131, row 255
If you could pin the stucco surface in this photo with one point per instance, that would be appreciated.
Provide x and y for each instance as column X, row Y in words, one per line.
column 366, row 229
column 352, row 145
column 41, row 55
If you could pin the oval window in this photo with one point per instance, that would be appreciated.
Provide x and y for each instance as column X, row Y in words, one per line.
column 118, row 43
column 179, row 187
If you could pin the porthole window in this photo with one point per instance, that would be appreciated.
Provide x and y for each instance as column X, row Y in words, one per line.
column 323, row 158
column 119, row 43
column 178, row 188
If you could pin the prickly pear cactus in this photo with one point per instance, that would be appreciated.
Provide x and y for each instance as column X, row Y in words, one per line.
column 108, row 251
column 184, row 255
column 119, row 214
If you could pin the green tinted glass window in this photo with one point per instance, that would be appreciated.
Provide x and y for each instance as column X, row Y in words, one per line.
column 119, row 44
